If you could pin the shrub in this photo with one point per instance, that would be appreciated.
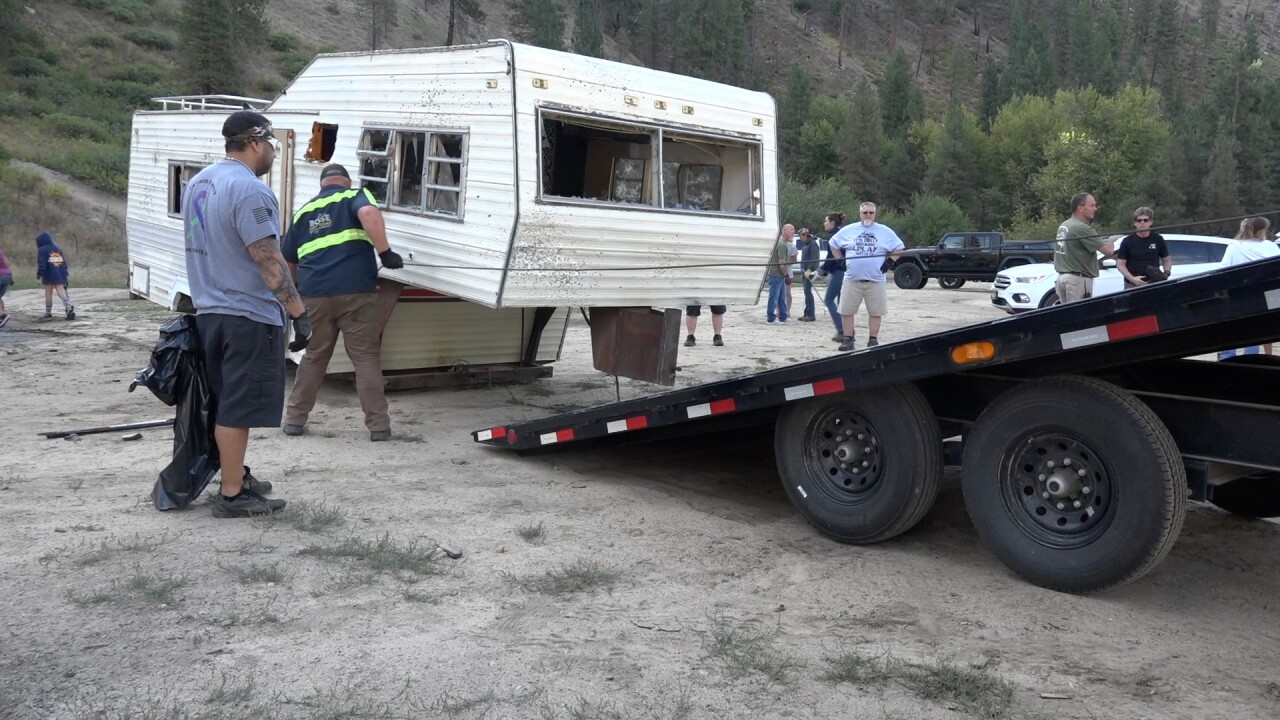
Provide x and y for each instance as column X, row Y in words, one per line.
column 282, row 41
column 292, row 63
column 926, row 219
column 73, row 126
column 49, row 55
column 27, row 66
column 128, row 93
column 103, row 166
column 101, row 40
column 4, row 156
column 268, row 87
column 145, row 74
column 143, row 37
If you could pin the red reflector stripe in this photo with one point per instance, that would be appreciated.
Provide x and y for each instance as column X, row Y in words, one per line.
column 564, row 435
column 499, row 433
column 722, row 406
column 1136, row 327
column 826, row 387
column 636, row 423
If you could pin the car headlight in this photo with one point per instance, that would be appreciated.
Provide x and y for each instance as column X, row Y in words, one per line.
column 1031, row 279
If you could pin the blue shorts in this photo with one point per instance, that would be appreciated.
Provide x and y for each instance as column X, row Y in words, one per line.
column 5, row 282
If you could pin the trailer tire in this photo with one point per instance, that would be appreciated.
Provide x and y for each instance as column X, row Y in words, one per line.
column 1050, row 299
column 951, row 283
column 1050, row 437
column 901, row 479
column 909, row 276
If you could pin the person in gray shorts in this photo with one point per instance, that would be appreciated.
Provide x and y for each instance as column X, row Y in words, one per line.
column 239, row 285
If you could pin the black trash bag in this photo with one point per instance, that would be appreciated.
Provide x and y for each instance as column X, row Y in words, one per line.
column 176, row 376
column 167, row 375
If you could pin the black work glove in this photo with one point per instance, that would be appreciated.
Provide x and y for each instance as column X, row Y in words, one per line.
column 301, row 333
column 887, row 265
column 391, row 259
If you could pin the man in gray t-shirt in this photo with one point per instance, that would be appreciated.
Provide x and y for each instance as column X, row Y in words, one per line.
column 239, row 283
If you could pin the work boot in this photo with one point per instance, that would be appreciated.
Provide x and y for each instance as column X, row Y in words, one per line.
column 872, row 341
column 838, row 337
column 262, row 487
column 45, row 317
column 717, row 341
column 846, row 345
column 294, row 429
column 807, row 318
column 379, row 435
column 71, row 312
column 247, row 504
column 690, row 341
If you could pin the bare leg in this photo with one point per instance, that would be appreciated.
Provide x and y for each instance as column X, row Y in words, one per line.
column 847, row 321
column 691, row 323
column 232, row 444
column 717, row 323
column 873, row 325
column 48, row 298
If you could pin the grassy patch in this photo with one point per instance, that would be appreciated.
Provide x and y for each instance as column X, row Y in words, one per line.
column 747, row 650
column 230, row 691
column 249, row 618
column 851, row 667
column 312, row 517
column 579, row 577
column 534, row 534
column 154, row 588
column 974, row 691
column 382, row 555
column 252, row 574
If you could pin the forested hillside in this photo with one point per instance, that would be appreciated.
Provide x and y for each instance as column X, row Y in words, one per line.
column 950, row 113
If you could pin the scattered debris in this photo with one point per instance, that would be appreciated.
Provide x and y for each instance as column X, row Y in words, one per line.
column 454, row 554
column 132, row 436
column 1054, row 696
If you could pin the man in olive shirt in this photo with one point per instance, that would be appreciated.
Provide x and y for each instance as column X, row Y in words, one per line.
column 1075, row 251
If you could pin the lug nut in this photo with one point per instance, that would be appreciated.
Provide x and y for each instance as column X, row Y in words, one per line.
column 860, row 435
column 1062, row 506
column 1066, row 461
column 1042, row 476
column 1044, row 495
column 1076, row 504
column 865, row 463
column 1081, row 472
column 1086, row 490
column 844, row 465
column 866, row 449
column 1050, row 464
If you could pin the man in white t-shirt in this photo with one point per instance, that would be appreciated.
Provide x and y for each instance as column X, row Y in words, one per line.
column 865, row 247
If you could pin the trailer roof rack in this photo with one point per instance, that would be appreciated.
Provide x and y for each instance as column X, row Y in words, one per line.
column 210, row 102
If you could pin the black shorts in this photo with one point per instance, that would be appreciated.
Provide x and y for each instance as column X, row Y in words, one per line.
column 696, row 310
column 244, row 362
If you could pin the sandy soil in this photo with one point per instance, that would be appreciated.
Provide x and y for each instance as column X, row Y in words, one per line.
column 671, row 580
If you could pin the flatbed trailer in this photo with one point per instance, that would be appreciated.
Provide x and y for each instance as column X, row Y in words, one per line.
column 1081, row 430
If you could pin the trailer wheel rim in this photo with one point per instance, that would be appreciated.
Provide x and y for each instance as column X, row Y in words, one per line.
column 844, row 453
column 1058, row 489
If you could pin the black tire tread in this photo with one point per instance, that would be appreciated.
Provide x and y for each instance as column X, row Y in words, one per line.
column 1153, row 430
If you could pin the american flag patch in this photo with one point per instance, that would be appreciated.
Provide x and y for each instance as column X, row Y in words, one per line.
column 262, row 215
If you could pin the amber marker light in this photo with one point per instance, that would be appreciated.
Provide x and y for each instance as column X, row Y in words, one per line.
column 973, row 352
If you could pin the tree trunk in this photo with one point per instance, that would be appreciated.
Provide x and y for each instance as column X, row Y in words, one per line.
column 840, row 53
column 453, row 14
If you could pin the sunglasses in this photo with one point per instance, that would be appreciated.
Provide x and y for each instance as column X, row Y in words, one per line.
column 868, row 212
column 1142, row 219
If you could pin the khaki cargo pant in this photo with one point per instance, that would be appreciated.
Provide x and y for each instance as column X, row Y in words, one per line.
column 356, row 316
column 1071, row 288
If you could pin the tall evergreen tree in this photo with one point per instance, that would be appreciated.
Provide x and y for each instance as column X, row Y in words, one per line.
column 992, row 97
column 540, row 22
column 381, row 16
column 587, row 37
column 901, row 102
column 711, row 40
column 1082, row 53
column 792, row 116
column 861, row 145
column 461, row 10
column 1210, row 12
column 1220, row 189
column 901, row 172
column 210, row 65
column 1164, row 35
column 953, row 166
column 650, row 31
column 10, row 21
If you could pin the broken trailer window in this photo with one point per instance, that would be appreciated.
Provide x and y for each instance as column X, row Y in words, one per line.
column 594, row 159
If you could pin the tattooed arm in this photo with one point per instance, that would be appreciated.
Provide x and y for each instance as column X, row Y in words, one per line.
column 275, row 273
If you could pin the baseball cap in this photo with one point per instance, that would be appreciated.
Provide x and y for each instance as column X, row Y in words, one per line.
column 334, row 170
column 247, row 125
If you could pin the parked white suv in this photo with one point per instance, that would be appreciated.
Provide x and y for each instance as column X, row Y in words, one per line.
column 1028, row 287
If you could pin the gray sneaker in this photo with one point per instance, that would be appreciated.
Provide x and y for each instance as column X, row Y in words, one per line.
column 872, row 342
column 838, row 337
column 846, row 345
column 379, row 435
column 690, row 341
column 262, row 487
column 247, row 504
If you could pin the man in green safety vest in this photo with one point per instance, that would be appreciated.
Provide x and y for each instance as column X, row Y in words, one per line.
column 331, row 249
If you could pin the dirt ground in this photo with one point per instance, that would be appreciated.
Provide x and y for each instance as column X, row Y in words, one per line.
column 667, row 580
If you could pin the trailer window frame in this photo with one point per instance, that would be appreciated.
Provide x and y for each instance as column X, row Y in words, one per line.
column 751, row 208
column 176, row 183
column 382, row 169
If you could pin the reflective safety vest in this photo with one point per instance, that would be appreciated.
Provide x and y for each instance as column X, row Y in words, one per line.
column 326, row 227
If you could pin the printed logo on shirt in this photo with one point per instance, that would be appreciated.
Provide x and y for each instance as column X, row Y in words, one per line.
column 262, row 214
column 321, row 222
column 865, row 245
column 55, row 259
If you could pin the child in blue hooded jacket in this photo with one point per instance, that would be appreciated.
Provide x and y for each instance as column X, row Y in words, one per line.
column 53, row 271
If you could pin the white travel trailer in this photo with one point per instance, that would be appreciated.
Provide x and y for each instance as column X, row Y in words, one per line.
column 517, row 182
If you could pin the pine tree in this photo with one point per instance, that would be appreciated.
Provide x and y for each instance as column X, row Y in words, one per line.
column 901, row 172
column 1210, row 12
column 901, row 102
column 587, row 37
column 1164, row 35
column 992, row 97
column 381, row 15
column 540, row 22
column 953, row 167
column 462, row 9
column 711, row 40
column 1220, row 189
column 792, row 116
column 861, row 145
column 650, row 32
column 1082, row 57
column 209, row 61
column 10, row 21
